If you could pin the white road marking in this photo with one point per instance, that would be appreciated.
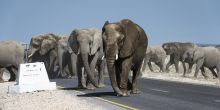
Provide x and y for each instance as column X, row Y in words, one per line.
column 217, row 101
column 159, row 90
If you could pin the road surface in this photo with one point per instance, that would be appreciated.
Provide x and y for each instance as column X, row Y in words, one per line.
column 156, row 95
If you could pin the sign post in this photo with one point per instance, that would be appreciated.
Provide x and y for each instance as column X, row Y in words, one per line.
column 32, row 77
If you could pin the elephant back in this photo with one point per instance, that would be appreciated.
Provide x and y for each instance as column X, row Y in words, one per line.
column 11, row 53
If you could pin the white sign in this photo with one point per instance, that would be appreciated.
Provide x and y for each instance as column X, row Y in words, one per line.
column 32, row 77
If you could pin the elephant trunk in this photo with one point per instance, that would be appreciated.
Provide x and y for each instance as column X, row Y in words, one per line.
column 88, row 70
column 112, row 75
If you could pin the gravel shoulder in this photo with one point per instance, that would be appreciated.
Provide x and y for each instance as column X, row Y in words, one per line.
column 49, row 100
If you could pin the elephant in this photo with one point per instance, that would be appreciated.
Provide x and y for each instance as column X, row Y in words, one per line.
column 125, row 44
column 204, row 57
column 64, row 57
column 176, row 51
column 157, row 55
column 42, row 48
column 86, row 46
column 11, row 55
column 218, row 47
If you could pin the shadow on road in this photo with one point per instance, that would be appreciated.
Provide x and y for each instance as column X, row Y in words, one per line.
column 97, row 94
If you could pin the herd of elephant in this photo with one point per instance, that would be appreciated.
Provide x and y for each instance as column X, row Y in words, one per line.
column 190, row 53
column 117, row 49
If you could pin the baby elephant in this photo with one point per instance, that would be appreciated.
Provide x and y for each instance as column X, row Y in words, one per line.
column 157, row 55
column 205, row 57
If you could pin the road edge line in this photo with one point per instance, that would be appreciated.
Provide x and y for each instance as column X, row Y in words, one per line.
column 111, row 102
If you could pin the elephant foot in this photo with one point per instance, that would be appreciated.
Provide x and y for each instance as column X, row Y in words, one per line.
column 188, row 72
column 135, row 91
column 101, row 85
column 167, row 70
column 90, row 86
column 125, row 93
column 206, row 77
column 80, row 86
column 195, row 77
column 184, row 76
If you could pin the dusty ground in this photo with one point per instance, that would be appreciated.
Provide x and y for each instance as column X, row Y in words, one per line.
column 49, row 100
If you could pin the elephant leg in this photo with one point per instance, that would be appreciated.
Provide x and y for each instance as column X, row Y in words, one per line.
column 1, row 75
column 218, row 73
column 198, row 66
column 203, row 72
column 126, row 67
column 12, row 71
column 176, row 63
column 184, row 69
column 190, row 68
column 73, row 63
column 136, row 72
column 61, row 62
column 168, row 66
column 144, row 65
column 51, row 67
column 81, row 77
column 213, row 73
column 56, row 68
column 150, row 67
column 101, row 74
column 160, row 65
column 77, row 68
column 93, row 62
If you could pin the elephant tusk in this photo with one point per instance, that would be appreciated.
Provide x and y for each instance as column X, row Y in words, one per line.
column 103, row 57
column 30, row 55
column 116, row 57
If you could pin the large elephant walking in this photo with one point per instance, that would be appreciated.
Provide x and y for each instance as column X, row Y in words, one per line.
column 11, row 55
column 43, row 48
column 86, row 45
column 125, row 44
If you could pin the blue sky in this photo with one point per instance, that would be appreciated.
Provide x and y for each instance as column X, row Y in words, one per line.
column 195, row 21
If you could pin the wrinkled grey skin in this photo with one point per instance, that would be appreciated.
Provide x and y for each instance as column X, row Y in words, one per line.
column 86, row 44
column 11, row 55
column 176, row 51
column 43, row 49
column 125, row 44
column 205, row 57
column 157, row 55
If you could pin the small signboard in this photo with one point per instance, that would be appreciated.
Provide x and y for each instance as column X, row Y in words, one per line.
column 32, row 77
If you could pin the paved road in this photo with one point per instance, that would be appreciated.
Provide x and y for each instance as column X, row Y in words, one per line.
column 157, row 95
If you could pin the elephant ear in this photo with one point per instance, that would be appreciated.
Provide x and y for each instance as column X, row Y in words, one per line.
column 103, row 38
column 198, row 54
column 73, row 43
column 131, row 38
column 47, row 45
column 96, row 42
